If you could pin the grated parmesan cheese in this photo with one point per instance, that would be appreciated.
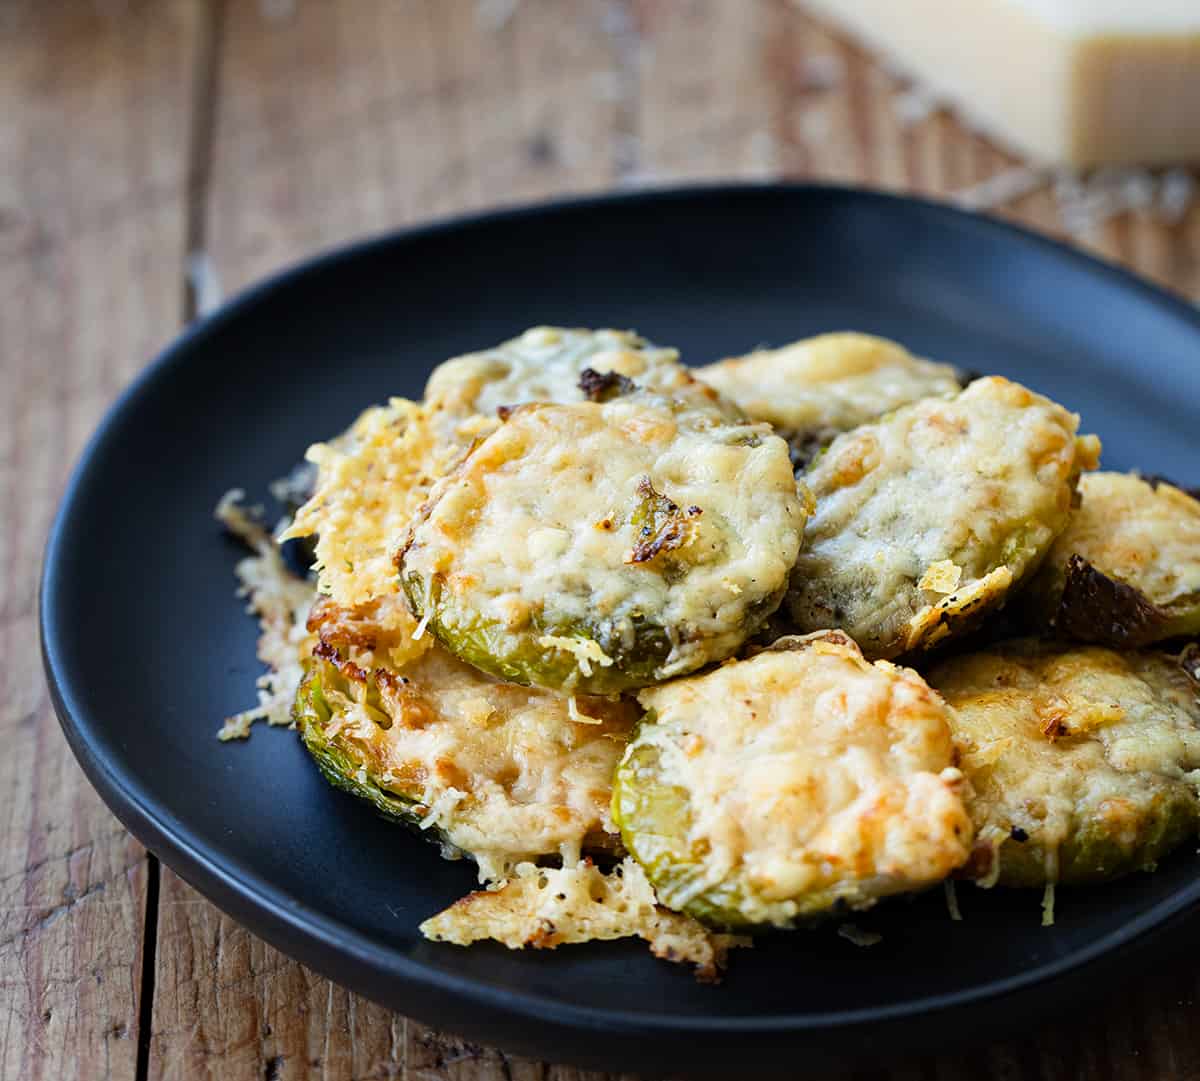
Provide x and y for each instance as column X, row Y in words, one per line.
column 952, row 900
column 585, row 651
column 281, row 602
column 439, row 812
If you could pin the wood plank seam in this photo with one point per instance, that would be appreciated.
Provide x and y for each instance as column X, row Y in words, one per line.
column 149, row 960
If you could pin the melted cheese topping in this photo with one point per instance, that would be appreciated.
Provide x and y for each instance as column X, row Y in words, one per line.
column 535, row 533
column 374, row 477
column 1078, row 759
column 547, row 907
column 811, row 776
column 976, row 487
column 505, row 772
column 1145, row 536
column 370, row 483
column 821, row 386
column 544, row 365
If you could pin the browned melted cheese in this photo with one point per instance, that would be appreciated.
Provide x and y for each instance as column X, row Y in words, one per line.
column 1075, row 754
column 926, row 518
column 507, row 773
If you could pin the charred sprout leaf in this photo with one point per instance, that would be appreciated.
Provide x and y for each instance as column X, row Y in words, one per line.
column 1189, row 661
column 806, row 447
column 1096, row 608
column 661, row 525
column 604, row 386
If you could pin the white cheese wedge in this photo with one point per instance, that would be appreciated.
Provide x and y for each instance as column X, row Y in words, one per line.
column 1082, row 82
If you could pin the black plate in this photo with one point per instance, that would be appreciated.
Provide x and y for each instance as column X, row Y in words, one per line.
column 147, row 649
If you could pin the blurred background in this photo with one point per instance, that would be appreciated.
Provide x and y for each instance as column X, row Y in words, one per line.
column 157, row 155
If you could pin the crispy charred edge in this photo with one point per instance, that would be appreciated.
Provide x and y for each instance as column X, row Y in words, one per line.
column 337, row 627
column 660, row 523
column 604, row 386
column 398, row 687
column 954, row 620
column 1097, row 609
column 547, row 936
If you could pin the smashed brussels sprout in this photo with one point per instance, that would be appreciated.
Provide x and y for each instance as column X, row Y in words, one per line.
column 801, row 782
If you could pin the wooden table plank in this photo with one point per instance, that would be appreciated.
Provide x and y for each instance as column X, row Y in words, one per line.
column 341, row 120
column 92, row 175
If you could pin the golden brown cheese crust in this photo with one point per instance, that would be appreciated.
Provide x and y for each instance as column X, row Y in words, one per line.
column 1144, row 538
column 545, row 364
column 506, row 773
column 600, row 546
column 818, row 387
column 545, row 907
column 800, row 781
column 371, row 481
column 927, row 518
column 1084, row 762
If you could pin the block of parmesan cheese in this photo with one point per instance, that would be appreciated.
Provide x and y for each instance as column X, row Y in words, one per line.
column 1081, row 82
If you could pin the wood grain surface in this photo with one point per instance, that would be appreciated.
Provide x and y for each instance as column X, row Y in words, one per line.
column 155, row 155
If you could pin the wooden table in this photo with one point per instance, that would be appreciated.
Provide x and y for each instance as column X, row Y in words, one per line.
column 156, row 153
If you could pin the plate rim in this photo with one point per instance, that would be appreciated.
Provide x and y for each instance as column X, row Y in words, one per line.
column 159, row 830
